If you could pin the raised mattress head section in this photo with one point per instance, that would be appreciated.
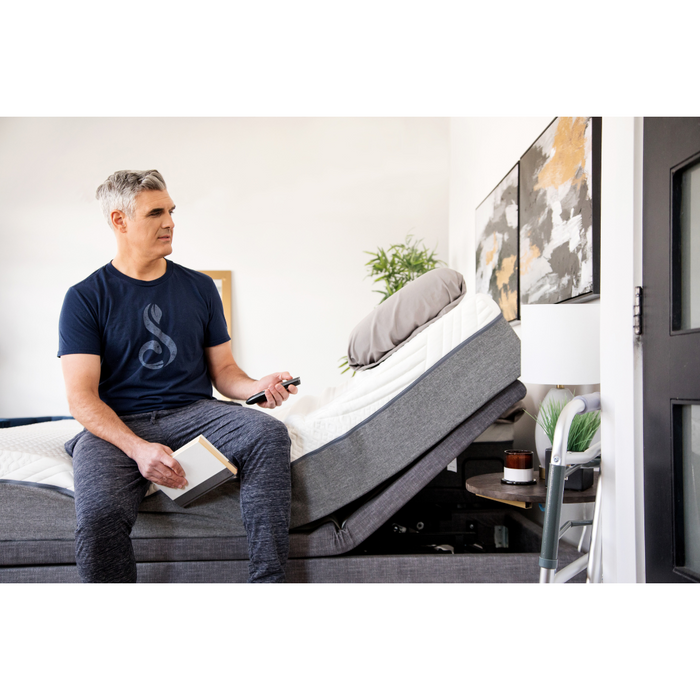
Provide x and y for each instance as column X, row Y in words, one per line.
column 410, row 423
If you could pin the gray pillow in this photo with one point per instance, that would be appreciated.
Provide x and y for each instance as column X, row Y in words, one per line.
column 403, row 315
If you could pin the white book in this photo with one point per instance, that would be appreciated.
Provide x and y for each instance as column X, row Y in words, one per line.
column 205, row 469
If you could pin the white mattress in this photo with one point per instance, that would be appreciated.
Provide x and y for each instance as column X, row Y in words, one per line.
column 34, row 453
column 313, row 421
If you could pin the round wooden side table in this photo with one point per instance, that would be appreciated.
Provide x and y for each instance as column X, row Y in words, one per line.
column 490, row 486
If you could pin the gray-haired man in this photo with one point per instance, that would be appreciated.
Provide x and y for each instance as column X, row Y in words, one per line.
column 141, row 341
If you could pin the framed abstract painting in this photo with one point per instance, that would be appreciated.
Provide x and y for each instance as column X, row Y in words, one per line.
column 497, row 246
column 559, row 208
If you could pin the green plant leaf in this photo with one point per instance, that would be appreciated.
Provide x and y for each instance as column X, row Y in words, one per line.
column 345, row 363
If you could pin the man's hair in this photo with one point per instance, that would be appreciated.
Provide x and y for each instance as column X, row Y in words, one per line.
column 119, row 190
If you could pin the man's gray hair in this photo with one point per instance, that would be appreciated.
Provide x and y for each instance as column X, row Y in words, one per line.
column 119, row 190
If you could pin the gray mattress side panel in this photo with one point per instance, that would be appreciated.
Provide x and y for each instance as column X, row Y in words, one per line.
column 416, row 419
column 58, row 552
column 28, row 513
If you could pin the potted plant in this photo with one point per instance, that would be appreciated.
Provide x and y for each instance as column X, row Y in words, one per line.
column 583, row 429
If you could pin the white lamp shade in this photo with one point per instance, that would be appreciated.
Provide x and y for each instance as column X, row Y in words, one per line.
column 560, row 343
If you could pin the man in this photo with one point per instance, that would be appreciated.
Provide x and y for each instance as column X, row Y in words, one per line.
column 141, row 341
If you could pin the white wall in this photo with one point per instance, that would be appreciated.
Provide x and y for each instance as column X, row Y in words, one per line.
column 288, row 205
column 621, row 359
column 483, row 150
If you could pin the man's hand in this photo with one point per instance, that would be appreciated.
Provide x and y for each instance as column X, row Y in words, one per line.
column 275, row 393
column 230, row 380
column 82, row 375
column 156, row 464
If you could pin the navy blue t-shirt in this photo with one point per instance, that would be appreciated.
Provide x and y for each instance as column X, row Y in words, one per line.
column 150, row 336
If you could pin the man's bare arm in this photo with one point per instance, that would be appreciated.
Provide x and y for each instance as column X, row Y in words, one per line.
column 81, row 374
column 230, row 380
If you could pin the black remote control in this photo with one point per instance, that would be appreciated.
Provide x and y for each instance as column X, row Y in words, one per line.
column 257, row 398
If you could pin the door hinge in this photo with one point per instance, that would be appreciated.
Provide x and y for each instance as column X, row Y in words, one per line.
column 638, row 300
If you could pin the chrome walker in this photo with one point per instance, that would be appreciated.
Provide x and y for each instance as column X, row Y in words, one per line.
column 562, row 465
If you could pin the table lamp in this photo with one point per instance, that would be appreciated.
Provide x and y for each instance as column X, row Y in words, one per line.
column 560, row 345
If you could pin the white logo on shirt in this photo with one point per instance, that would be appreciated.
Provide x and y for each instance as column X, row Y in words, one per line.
column 154, row 345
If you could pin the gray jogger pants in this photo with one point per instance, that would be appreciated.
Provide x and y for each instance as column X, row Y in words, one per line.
column 109, row 486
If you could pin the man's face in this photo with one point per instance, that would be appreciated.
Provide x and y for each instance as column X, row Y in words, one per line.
column 150, row 232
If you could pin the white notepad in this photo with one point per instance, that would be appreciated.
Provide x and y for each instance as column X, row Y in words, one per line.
column 205, row 469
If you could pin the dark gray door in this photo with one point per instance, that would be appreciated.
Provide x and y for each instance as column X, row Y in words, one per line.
column 671, row 348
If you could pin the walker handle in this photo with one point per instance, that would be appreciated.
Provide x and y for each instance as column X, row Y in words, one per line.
column 591, row 401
